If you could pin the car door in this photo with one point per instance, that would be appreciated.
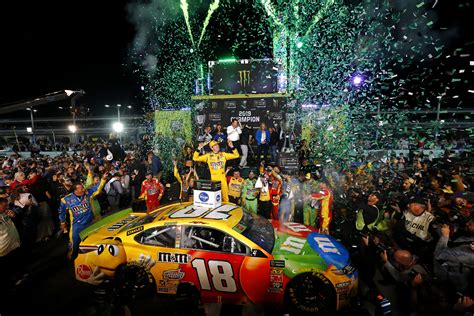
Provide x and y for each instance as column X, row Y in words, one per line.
column 215, row 263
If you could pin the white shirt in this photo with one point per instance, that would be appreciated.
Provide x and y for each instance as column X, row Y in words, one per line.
column 233, row 134
column 263, row 137
column 9, row 238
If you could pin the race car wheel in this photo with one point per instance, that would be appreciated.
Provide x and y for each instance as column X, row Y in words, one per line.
column 132, row 281
column 188, row 300
column 310, row 293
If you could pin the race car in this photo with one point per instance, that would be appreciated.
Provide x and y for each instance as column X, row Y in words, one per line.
column 226, row 254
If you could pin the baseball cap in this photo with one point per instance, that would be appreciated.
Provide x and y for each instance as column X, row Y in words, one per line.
column 417, row 199
column 213, row 143
column 308, row 176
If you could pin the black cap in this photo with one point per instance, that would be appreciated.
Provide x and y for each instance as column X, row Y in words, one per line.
column 378, row 194
column 416, row 199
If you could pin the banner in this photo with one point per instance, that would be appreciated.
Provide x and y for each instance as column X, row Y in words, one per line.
column 249, row 111
column 244, row 77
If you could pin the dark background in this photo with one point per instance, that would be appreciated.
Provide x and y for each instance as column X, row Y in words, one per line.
column 48, row 46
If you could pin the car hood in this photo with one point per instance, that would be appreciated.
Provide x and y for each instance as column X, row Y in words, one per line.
column 303, row 243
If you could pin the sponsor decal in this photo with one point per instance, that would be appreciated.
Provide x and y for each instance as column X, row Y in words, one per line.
column 297, row 227
column 343, row 284
column 163, row 290
column 173, row 275
column 293, row 244
column 122, row 223
column 218, row 197
column 274, row 271
column 134, row 230
column 173, row 257
column 203, row 197
column 329, row 249
column 277, row 263
column 84, row 271
column 276, row 278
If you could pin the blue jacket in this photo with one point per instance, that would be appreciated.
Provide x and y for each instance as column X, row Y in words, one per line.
column 156, row 165
column 258, row 136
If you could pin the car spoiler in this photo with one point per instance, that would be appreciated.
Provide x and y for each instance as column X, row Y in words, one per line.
column 95, row 226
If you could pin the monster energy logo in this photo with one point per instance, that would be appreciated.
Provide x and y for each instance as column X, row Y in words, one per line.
column 244, row 76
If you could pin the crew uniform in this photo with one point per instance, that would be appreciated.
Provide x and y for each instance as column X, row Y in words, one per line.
column 152, row 191
column 275, row 193
column 235, row 189
column 216, row 163
column 81, row 214
column 325, row 216
column 249, row 195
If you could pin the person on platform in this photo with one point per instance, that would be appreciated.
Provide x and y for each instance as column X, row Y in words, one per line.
column 152, row 191
column 245, row 140
column 250, row 193
column 262, row 136
column 234, row 130
column 216, row 161
column 326, row 198
column 219, row 135
column 78, row 205
column 235, row 183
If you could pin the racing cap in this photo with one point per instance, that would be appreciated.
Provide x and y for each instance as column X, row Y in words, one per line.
column 213, row 143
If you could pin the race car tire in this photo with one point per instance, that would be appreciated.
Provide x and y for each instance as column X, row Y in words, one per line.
column 310, row 293
column 134, row 281
column 187, row 300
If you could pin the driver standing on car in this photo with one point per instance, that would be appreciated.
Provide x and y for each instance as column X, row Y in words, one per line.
column 216, row 161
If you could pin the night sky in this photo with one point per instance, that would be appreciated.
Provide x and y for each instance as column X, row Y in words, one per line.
column 50, row 46
column 83, row 44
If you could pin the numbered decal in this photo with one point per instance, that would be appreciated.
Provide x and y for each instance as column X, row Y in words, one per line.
column 222, row 275
column 220, row 213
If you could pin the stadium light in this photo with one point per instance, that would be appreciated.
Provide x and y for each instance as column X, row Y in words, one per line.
column 72, row 128
column 29, row 130
column 118, row 127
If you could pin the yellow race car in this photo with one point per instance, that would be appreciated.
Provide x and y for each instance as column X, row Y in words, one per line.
column 224, row 253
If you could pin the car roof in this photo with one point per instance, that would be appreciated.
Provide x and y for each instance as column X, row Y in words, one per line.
column 227, row 215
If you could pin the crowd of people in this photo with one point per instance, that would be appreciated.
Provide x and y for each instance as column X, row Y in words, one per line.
column 410, row 217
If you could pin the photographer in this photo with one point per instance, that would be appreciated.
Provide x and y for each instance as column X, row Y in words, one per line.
column 455, row 264
column 407, row 272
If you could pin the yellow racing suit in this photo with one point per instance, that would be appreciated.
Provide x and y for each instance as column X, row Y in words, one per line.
column 216, row 163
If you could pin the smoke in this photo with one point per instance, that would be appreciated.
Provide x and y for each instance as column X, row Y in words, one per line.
column 149, row 18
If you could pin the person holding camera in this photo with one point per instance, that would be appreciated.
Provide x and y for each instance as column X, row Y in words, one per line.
column 455, row 264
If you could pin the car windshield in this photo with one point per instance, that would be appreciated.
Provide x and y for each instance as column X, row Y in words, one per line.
column 257, row 229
